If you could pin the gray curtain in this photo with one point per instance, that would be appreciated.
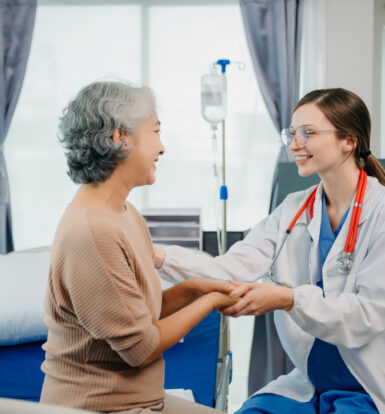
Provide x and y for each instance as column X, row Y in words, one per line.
column 17, row 19
column 273, row 31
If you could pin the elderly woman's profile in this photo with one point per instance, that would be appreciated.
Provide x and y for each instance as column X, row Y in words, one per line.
column 109, row 321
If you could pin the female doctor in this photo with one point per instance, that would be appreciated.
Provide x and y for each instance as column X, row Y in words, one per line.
column 323, row 252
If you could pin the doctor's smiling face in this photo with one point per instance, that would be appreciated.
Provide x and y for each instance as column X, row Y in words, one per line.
column 314, row 144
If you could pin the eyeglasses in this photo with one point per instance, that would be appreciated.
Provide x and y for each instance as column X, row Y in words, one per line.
column 301, row 134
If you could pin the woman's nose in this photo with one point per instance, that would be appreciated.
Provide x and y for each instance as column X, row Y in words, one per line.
column 294, row 143
column 162, row 148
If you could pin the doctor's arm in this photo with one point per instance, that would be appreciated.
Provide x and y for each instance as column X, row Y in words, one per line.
column 351, row 319
column 244, row 261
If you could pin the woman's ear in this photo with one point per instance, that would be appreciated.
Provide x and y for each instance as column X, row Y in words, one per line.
column 119, row 136
column 350, row 143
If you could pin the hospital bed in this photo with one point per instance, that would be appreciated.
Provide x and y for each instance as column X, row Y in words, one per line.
column 203, row 352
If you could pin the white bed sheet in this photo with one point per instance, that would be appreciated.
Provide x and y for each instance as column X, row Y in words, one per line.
column 23, row 279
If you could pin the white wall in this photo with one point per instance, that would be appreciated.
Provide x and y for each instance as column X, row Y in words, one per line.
column 351, row 50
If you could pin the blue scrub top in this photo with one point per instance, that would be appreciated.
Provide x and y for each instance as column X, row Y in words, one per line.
column 326, row 368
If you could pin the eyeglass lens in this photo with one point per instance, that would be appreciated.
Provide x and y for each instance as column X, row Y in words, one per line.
column 288, row 134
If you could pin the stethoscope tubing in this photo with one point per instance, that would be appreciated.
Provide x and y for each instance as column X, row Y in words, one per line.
column 358, row 202
column 350, row 239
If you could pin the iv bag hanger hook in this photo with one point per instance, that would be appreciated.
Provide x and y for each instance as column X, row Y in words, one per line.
column 223, row 63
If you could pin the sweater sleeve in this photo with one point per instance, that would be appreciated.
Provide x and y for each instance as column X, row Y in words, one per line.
column 99, row 275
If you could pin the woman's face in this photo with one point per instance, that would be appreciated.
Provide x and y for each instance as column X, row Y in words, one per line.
column 322, row 152
column 147, row 148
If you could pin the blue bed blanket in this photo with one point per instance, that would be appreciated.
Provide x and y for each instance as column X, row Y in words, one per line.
column 190, row 364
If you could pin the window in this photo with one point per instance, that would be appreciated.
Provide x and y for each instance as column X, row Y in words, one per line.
column 63, row 58
column 175, row 76
column 130, row 41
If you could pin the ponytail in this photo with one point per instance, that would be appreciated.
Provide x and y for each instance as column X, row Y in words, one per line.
column 374, row 168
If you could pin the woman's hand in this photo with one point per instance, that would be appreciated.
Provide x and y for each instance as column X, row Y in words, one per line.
column 188, row 291
column 224, row 300
column 202, row 286
column 261, row 298
column 183, row 313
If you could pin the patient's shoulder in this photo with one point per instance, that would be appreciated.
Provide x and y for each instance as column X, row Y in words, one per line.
column 93, row 227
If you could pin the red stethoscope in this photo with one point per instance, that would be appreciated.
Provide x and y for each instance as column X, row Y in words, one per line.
column 345, row 259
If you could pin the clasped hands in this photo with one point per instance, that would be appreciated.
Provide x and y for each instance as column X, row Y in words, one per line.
column 240, row 298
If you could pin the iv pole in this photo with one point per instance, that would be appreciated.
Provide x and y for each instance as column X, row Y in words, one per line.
column 224, row 356
column 224, row 193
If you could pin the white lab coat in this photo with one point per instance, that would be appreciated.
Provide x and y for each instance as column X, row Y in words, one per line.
column 352, row 313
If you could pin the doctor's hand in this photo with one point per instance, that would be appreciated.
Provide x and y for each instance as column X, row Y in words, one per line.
column 202, row 286
column 259, row 299
column 226, row 300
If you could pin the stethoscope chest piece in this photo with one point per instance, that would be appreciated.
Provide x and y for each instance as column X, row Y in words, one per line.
column 344, row 263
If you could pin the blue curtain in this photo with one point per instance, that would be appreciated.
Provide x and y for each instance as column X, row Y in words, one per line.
column 17, row 19
column 273, row 31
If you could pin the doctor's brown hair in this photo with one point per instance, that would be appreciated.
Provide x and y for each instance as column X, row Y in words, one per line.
column 349, row 114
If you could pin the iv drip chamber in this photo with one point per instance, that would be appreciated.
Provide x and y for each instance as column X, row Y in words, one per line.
column 214, row 97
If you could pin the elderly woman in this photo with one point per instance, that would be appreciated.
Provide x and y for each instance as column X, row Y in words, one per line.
column 108, row 319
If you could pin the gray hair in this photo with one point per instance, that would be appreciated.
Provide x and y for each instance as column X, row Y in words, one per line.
column 89, row 120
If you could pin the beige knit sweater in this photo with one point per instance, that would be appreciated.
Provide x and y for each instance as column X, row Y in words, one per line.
column 102, row 298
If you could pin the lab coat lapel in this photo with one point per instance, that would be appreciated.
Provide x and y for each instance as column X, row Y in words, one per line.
column 330, row 266
column 314, row 230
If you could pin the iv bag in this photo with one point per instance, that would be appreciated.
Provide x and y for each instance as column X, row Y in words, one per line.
column 214, row 97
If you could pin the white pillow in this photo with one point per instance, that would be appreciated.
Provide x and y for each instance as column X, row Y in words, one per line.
column 13, row 406
column 23, row 281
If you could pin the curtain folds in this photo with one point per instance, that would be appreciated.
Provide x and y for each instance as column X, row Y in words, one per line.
column 273, row 31
column 17, row 18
